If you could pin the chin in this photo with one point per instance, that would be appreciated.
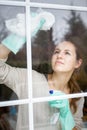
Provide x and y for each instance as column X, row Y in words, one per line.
column 60, row 69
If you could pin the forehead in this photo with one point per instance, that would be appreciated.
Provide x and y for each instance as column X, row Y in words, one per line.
column 66, row 45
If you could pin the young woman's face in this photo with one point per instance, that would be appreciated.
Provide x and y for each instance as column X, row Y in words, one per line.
column 64, row 58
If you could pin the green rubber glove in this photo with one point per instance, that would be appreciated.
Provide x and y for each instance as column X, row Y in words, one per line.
column 65, row 117
column 14, row 42
column 39, row 21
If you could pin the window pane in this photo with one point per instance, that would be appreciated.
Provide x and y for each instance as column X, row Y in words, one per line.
column 67, row 24
column 47, row 117
column 8, row 117
column 43, row 44
column 23, row 118
column 12, row 23
column 43, row 117
column 64, row 2
column 14, row 117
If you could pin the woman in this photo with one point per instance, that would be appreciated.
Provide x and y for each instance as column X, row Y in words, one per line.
column 66, row 60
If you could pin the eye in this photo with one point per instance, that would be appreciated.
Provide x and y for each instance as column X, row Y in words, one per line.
column 56, row 52
column 67, row 53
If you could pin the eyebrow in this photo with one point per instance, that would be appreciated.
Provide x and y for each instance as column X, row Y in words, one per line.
column 56, row 49
column 64, row 50
column 68, row 50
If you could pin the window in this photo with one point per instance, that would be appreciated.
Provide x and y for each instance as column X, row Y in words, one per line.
column 28, row 97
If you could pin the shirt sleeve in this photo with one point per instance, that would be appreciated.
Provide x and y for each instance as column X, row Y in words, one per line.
column 13, row 77
column 79, row 113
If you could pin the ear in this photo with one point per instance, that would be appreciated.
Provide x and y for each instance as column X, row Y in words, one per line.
column 78, row 63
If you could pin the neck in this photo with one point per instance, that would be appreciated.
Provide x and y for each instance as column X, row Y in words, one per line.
column 59, row 81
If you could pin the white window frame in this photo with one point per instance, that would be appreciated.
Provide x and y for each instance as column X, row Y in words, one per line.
column 30, row 100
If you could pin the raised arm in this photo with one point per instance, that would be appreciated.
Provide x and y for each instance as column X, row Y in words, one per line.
column 7, row 72
column 14, row 41
column 4, row 51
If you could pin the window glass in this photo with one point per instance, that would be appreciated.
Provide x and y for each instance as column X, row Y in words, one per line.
column 63, row 2
column 12, row 18
column 47, row 117
column 44, row 118
column 67, row 24
column 8, row 13
column 9, row 117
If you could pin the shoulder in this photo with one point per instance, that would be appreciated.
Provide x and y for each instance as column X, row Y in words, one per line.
column 36, row 75
column 80, row 102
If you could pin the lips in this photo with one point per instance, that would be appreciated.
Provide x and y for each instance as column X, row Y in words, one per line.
column 59, row 62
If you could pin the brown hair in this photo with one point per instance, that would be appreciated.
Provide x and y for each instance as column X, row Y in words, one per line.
column 73, row 82
column 4, row 122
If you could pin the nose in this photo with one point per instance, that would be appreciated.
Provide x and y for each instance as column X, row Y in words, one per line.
column 60, row 55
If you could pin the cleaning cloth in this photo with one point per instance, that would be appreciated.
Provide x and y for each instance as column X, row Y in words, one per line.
column 17, row 38
column 39, row 21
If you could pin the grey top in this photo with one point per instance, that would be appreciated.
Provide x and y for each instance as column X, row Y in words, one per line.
column 45, row 117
